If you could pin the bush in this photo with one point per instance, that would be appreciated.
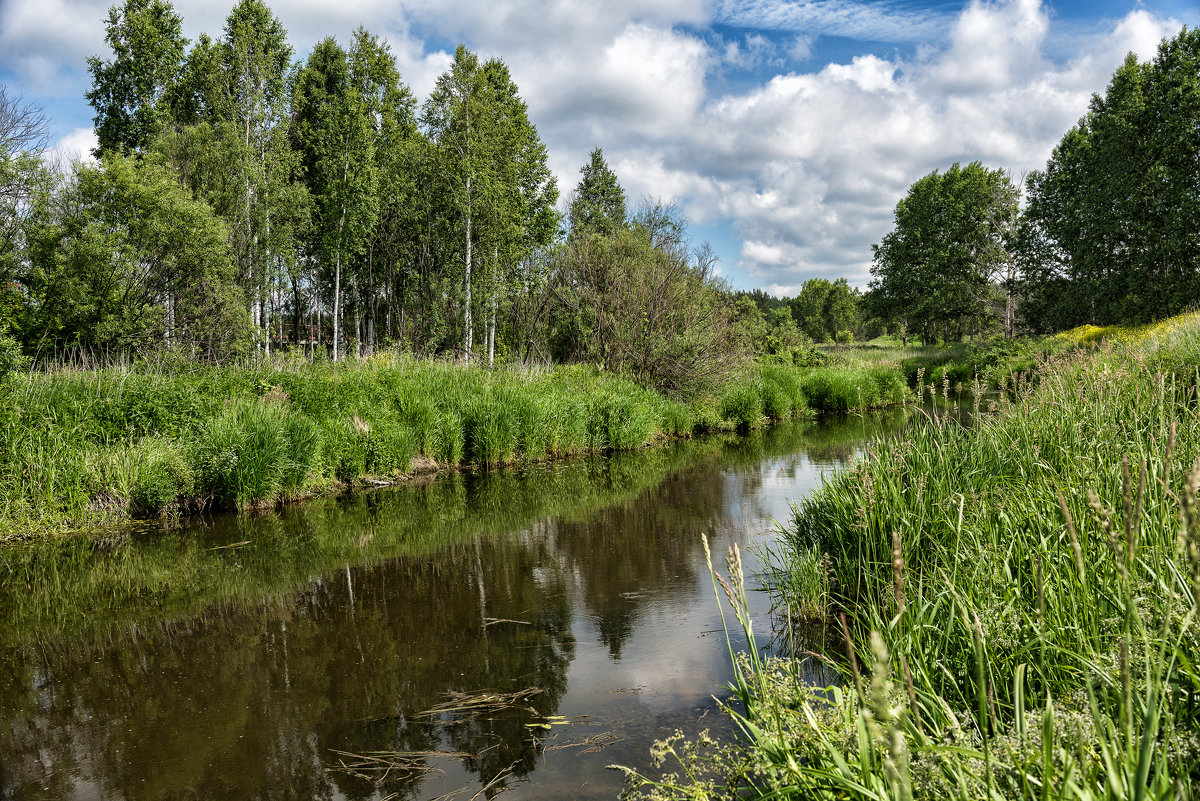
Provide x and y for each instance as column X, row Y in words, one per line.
column 252, row 453
column 162, row 476
column 742, row 404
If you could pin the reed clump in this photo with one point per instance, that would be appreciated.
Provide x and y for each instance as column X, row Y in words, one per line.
column 1020, row 601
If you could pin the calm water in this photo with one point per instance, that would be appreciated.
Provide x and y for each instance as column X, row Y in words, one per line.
column 250, row 657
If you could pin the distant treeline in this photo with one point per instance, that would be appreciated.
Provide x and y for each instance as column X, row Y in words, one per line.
column 1109, row 231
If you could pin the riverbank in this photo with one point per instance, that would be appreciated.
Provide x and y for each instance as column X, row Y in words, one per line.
column 1020, row 600
column 87, row 448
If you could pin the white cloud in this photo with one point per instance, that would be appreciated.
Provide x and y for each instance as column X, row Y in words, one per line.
column 878, row 21
column 74, row 147
column 41, row 40
column 802, row 48
column 825, row 156
column 753, row 50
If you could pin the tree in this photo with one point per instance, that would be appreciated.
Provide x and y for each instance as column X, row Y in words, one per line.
column 125, row 258
column 395, row 143
column 824, row 309
column 458, row 122
column 260, row 200
column 934, row 272
column 334, row 130
column 491, row 168
column 1111, row 231
column 131, row 93
column 646, row 306
column 598, row 203
column 521, row 214
column 24, row 135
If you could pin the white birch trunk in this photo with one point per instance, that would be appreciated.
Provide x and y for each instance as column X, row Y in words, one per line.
column 337, row 305
column 469, row 331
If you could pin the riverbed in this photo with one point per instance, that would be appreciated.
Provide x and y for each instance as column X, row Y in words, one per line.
column 514, row 631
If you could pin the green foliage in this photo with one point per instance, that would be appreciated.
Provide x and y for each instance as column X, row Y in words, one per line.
column 773, row 335
column 841, row 389
column 1108, row 235
column 935, row 271
column 161, row 477
column 131, row 261
column 824, row 309
column 80, row 447
column 982, row 366
column 598, row 203
column 742, row 404
column 640, row 304
column 130, row 93
column 11, row 357
column 252, row 453
column 783, row 392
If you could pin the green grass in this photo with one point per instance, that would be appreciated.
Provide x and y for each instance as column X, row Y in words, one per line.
column 1020, row 602
column 80, row 448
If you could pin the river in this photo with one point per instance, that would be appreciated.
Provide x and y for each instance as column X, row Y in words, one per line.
column 517, row 631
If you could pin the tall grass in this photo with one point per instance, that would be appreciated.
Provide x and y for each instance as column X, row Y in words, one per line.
column 1018, row 602
column 85, row 447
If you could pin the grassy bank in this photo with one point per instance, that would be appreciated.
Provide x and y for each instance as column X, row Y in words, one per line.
column 81, row 448
column 1019, row 598
column 1002, row 363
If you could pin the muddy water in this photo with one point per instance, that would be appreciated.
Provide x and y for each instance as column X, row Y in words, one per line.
column 304, row 654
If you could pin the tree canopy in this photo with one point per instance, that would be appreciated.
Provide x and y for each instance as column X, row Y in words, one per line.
column 934, row 272
column 1111, row 233
column 598, row 203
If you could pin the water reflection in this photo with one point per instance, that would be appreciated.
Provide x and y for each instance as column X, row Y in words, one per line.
column 246, row 656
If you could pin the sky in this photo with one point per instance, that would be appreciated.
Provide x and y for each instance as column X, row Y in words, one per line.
column 786, row 130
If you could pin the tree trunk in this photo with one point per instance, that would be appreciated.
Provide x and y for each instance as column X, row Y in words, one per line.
column 297, row 316
column 337, row 305
column 492, row 333
column 468, row 331
column 337, row 277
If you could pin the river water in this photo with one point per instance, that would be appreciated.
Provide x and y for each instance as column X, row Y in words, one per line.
column 347, row 648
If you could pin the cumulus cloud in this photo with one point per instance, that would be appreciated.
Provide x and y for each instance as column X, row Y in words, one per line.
column 76, row 146
column 40, row 41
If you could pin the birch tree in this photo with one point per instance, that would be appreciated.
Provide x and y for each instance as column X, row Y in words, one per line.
column 131, row 92
column 390, row 108
column 255, row 59
column 459, row 122
column 334, row 130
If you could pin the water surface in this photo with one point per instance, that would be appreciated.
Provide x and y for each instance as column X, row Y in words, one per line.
column 256, row 657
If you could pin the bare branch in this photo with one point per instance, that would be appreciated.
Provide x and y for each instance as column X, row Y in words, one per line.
column 24, row 126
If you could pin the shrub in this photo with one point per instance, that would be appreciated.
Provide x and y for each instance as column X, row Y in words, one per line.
column 742, row 404
column 161, row 477
column 251, row 453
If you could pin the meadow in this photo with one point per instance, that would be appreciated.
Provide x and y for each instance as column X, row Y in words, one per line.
column 81, row 448
column 1010, row 607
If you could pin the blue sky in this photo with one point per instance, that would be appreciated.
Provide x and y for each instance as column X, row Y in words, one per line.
column 785, row 129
